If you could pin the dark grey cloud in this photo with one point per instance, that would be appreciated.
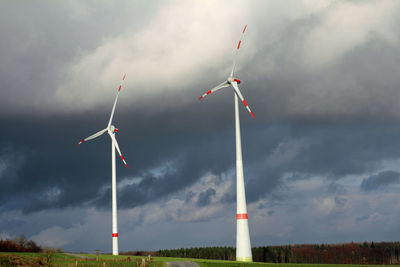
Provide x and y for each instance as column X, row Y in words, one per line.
column 380, row 181
column 335, row 188
column 362, row 218
column 229, row 198
column 328, row 150
column 56, row 174
column 189, row 196
column 205, row 197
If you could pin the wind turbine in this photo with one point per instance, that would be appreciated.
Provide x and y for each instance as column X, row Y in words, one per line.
column 243, row 246
column 111, row 130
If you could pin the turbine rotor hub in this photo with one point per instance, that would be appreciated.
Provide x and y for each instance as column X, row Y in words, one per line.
column 113, row 129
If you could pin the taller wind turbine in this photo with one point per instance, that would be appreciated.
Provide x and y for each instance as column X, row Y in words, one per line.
column 243, row 246
column 111, row 130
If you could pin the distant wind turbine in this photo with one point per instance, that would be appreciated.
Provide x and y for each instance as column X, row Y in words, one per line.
column 243, row 246
column 111, row 130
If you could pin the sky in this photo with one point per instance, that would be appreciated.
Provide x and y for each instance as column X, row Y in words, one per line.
column 321, row 158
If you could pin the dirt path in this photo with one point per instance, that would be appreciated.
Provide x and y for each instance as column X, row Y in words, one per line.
column 78, row 256
column 182, row 264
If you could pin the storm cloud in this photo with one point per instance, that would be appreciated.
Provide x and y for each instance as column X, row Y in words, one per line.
column 380, row 181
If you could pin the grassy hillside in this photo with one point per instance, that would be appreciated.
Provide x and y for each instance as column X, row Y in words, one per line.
column 68, row 260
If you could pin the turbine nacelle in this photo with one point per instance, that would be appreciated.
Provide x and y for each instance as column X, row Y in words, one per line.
column 233, row 79
column 113, row 129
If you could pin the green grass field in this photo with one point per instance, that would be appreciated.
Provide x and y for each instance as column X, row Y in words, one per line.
column 65, row 260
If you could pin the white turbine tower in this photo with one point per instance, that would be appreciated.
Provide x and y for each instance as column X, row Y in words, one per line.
column 111, row 130
column 243, row 246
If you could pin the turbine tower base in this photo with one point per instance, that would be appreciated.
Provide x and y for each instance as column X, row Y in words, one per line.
column 246, row 259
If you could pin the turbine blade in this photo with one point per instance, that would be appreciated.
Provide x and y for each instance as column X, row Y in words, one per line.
column 222, row 85
column 237, row 51
column 239, row 94
column 115, row 102
column 92, row 136
column 117, row 147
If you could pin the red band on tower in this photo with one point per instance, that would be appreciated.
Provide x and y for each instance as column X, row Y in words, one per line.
column 241, row 216
column 115, row 235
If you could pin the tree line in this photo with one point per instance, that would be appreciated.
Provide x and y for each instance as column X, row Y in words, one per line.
column 19, row 244
column 346, row 253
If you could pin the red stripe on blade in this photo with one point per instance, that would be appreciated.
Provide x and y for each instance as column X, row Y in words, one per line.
column 115, row 234
column 244, row 102
column 124, row 77
column 122, row 157
column 200, row 97
column 209, row 92
column 119, row 89
column 239, row 44
column 244, row 28
column 252, row 114
column 241, row 216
